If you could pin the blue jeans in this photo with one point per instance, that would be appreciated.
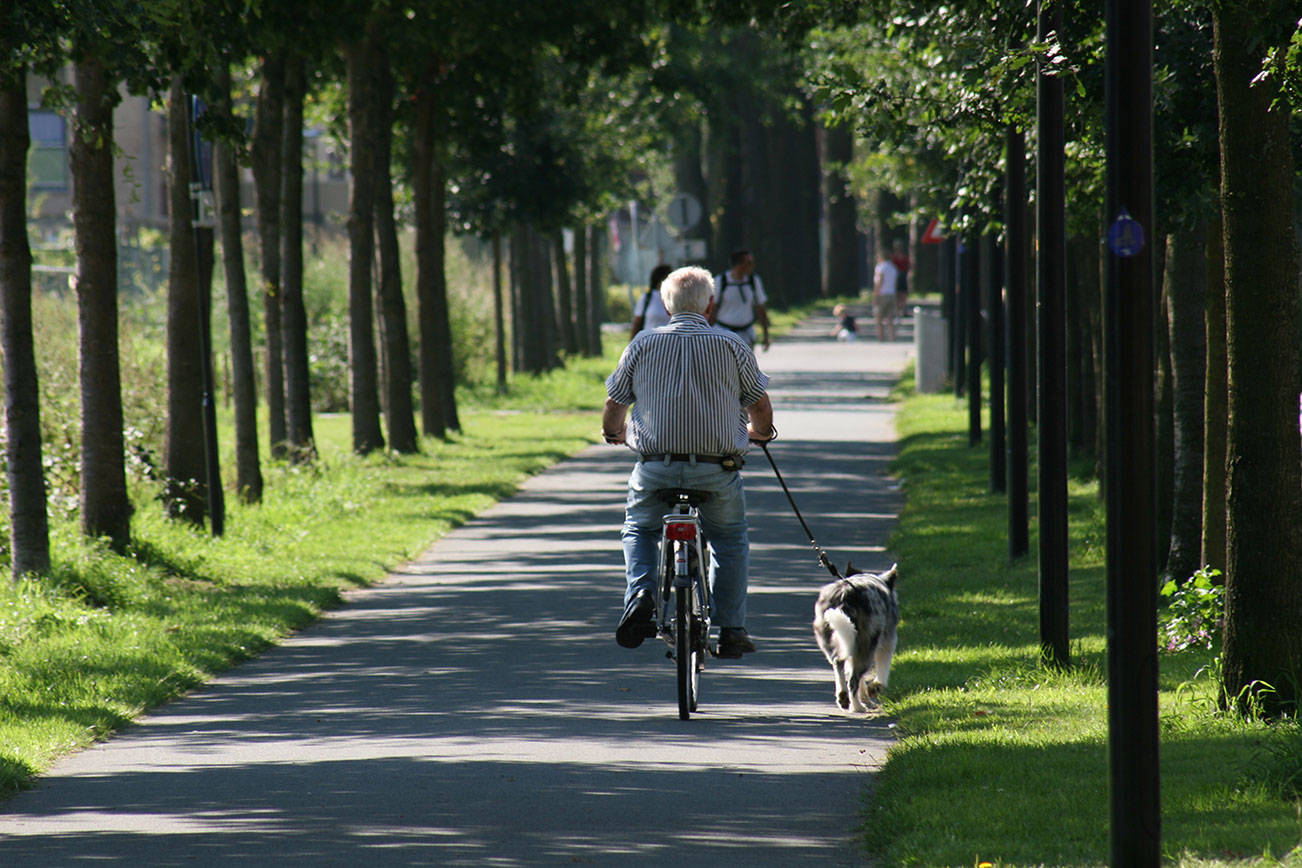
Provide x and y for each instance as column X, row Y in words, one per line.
column 723, row 518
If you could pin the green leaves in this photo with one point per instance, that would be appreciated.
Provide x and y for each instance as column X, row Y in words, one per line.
column 931, row 91
column 1194, row 612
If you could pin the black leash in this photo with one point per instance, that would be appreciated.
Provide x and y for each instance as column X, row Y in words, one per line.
column 822, row 555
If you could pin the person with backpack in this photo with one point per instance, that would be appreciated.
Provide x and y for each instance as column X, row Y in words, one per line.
column 739, row 299
column 649, row 312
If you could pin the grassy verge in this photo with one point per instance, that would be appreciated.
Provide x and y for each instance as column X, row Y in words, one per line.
column 1003, row 762
column 107, row 636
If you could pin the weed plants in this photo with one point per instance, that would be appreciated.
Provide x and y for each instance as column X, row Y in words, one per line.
column 1002, row 761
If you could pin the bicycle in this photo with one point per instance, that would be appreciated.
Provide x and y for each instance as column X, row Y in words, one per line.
column 683, row 594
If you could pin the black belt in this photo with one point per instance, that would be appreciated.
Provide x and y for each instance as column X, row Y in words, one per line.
column 733, row 328
column 728, row 462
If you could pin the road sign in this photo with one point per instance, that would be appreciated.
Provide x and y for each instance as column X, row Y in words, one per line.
column 933, row 235
column 684, row 212
column 1126, row 235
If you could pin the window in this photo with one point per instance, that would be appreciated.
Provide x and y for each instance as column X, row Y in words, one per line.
column 47, row 161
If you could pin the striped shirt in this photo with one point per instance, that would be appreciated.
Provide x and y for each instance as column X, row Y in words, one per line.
column 689, row 384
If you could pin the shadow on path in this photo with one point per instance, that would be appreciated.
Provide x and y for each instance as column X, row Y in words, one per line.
column 475, row 709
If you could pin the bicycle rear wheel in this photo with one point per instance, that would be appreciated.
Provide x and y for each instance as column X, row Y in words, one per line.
column 685, row 652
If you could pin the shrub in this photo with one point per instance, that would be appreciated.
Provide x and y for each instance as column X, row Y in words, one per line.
column 620, row 298
column 1195, row 613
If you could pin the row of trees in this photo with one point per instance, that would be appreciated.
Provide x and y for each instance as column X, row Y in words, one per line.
column 941, row 97
column 509, row 121
column 514, row 122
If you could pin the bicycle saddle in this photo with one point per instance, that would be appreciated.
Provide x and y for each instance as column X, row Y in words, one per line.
column 689, row 496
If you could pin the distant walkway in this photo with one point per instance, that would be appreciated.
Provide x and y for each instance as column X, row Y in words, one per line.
column 475, row 709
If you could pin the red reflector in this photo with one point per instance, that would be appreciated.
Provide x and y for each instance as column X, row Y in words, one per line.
column 680, row 530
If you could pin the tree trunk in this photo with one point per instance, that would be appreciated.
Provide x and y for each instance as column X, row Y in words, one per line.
column 534, row 331
column 971, row 290
column 105, row 506
column 361, row 58
column 564, row 294
column 596, row 287
column 445, row 372
column 268, row 126
column 1016, row 261
column 763, row 199
column 1186, row 295
column 29, row 529
column 1163, row 403
column 726, row 206
column 1092, row 299
column 1051, row 337
column 1084, row 334
column 398, row 409
column 499, row 324
column 582, row 302
column 544, row 302
column 293, row 316
column 1075, row 353
column 248, row 467
column 1263, row 600
column 1215, row 406
column 992, row 276
column 804, row 266
column 515, row 281
column 429, row 252
column 437, row 364
column 184, row 494
column 842, row 275
column 528, row 328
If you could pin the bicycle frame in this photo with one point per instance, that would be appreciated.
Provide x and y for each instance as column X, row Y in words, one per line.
column 683, row 595
column 682, row 547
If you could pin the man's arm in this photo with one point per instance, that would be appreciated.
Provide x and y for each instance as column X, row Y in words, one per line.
column 613, row 428
column 762, row 317
column 760, row 414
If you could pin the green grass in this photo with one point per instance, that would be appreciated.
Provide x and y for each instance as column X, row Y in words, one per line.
column 1003, row 761
column 105, row 636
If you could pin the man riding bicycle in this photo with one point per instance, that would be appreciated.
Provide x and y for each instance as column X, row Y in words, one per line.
column 698, row 399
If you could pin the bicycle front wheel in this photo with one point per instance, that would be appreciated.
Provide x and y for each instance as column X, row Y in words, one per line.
column 685, row 652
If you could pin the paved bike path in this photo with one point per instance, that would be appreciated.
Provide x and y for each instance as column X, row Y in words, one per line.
column 474, row 709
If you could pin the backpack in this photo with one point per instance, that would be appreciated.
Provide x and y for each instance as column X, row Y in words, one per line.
column 722, row 277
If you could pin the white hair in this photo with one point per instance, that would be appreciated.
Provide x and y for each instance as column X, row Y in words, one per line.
column 687, row 290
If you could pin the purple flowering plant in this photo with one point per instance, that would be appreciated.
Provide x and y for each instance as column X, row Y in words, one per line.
column 1194, row 614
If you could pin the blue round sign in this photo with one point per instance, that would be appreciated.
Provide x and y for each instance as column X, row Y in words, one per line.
column 1125, row 235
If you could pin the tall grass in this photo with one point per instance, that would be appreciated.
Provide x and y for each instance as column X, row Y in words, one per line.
column 1003, row 761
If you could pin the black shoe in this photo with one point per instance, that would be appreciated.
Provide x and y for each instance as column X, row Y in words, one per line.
column 638, row 622
column 734, row 642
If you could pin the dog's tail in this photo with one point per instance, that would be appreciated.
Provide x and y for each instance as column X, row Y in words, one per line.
column 843, row 632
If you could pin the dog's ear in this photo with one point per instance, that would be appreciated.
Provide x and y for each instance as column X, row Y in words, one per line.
column 891, row 575
column 849, row 568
